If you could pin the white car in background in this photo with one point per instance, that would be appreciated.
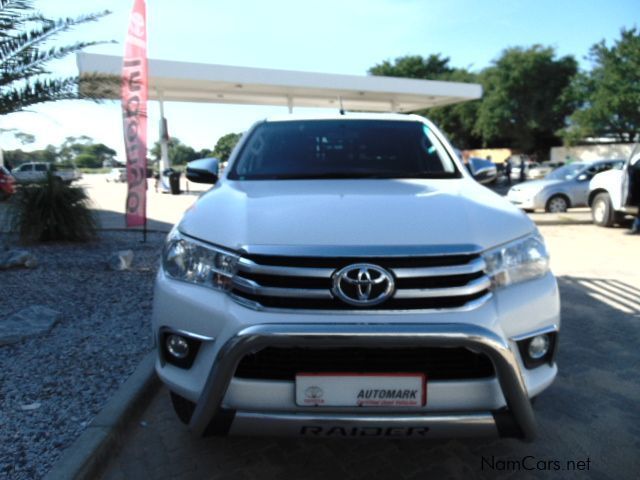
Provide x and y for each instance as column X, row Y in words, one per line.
column 564, row 188
column 609, row 197
column 543, row 169
column 117, row 175
column 37, row 172
column 516, row 166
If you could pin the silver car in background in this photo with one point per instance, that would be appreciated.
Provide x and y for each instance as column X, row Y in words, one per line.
column 564, row 188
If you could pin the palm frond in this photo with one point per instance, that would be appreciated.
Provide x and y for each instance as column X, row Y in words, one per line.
column 24, row 56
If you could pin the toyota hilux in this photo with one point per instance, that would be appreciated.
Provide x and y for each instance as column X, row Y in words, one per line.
column 346, row 276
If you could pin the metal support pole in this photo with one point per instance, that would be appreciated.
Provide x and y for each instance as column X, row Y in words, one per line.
column 290, row 104
column 164, row 138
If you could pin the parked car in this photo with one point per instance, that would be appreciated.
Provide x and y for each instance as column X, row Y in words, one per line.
column 117, row 175
column 609, row 197
column 543, row 169
column 564, row 188
column 347, row 277
column 484, row 171
column 516, row 166
column 7, row 183
column 35, row 172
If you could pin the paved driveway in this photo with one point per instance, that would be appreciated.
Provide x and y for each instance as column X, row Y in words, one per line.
column 589, row 420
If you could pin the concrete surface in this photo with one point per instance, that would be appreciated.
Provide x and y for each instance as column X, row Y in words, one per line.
column 88, row 455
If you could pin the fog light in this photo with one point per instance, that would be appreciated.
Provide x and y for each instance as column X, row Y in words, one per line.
column 177, row 346
column 538, row 347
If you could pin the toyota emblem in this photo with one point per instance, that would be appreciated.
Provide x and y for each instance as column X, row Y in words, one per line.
column 363, row 284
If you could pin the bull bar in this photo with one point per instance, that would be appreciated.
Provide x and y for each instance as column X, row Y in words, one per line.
column 257, row 337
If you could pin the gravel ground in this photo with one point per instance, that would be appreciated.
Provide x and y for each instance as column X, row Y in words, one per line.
column 53, row 385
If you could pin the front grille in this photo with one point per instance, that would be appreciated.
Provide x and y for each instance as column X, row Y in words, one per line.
column 275, row 363
column 421, row 282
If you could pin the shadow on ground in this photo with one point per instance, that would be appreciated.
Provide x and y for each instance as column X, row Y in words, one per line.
column 590, row 415
column 109, row 219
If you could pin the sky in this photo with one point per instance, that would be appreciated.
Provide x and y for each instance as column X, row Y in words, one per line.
column 329, row 36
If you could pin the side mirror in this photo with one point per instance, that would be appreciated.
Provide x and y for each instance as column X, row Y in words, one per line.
column 204, row 170
column 485, row 174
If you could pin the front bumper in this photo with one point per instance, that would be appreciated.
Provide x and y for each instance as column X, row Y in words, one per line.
column 488, row 407
column 526, row 200
column 461, row 335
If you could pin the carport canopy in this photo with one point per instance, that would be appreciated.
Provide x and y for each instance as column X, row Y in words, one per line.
column 209, row 83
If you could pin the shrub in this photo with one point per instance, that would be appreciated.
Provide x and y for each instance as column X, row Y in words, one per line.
column 51, row 211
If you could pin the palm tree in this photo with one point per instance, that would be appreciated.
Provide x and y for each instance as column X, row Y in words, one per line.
column 24, row 55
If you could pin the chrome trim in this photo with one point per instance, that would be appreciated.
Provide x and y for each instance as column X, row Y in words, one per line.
column 185, row 333
column 246, row 265
column 249, row 286
column 401, row 425
column 467, row 307
column 363, row 284
column 205, row 244
column 523, row 336
column 361, row 250
column 476, row 265
column 470, row 288
column 256, row 337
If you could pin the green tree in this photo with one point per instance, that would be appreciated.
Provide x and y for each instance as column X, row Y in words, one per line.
column 526, row 99
column 414, row 66
column 25, row 53
column 73, row 146
column 87, row 160
column 457, row 121
column 611, row 92
column 225, row 146
column 179, row 153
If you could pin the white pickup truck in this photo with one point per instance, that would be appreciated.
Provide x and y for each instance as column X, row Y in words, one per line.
column 36, row 172
column 347, row 277
column 609, row 196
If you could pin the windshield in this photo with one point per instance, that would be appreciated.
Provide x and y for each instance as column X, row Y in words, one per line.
column 567, row 172
column 316, row 149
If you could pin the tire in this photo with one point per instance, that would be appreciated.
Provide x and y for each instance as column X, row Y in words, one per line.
column 557, row 204
column 183, row 407
column 602, row 212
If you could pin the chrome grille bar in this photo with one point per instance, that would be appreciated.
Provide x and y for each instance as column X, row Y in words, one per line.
column 435, row 283
column 476, row 265
column 246, row 265
column 254, row 288
column 474, row 286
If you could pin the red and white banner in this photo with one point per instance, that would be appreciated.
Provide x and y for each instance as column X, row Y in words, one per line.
column 134, row 113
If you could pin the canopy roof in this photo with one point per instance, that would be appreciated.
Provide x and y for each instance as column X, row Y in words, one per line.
column 198, row 82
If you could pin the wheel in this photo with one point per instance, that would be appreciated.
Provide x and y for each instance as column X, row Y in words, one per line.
column 183, row 407
column 601, row 210
column 557, row 204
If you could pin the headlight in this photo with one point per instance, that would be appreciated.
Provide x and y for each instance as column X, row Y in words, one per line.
column 517, row 261
column 195, row 262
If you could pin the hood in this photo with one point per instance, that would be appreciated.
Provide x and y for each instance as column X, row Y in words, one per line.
column 354, row 213
column 535, row 185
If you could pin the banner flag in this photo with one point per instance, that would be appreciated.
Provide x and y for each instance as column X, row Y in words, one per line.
column 134, row 115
